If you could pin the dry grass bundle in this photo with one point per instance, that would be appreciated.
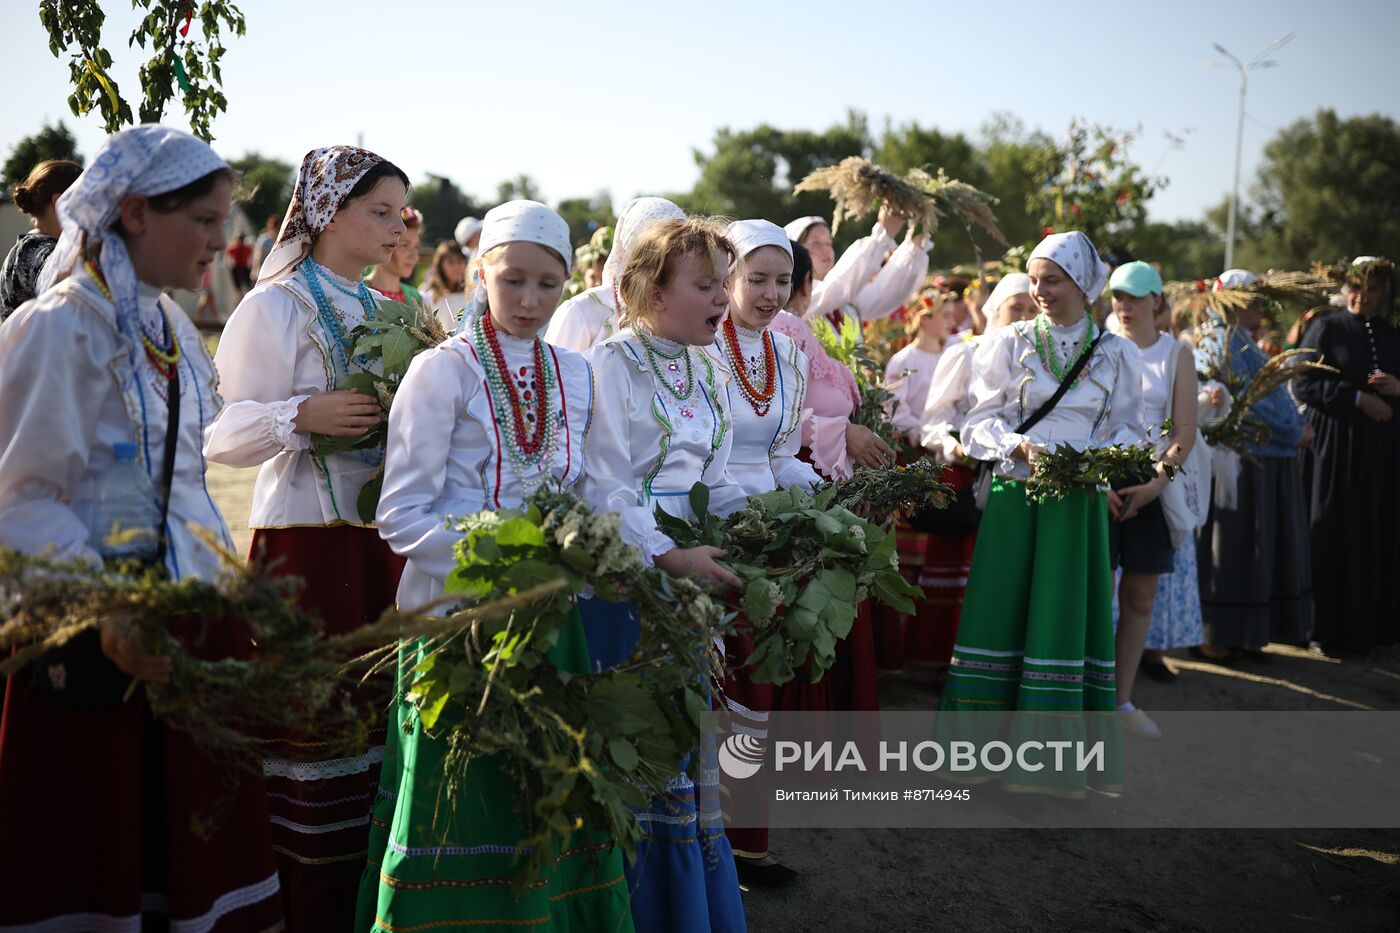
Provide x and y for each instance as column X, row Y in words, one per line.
column 858, row 185
column 972, row 206
column 1276, row 290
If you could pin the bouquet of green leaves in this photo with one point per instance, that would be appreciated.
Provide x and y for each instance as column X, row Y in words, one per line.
column 284, row 680
column 582, row 747
column 806, row 556
column 1057, row 472
column 391, row 335
column 849, row 348
column 893, row 491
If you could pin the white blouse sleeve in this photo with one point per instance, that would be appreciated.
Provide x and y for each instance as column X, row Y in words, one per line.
column 610, row 482
column 988, row 434
column 256, row 359
column 946, row 395
column 896, row 281
column 851, row 272
column 412, row 515
column 53, row 384
column 572, row 325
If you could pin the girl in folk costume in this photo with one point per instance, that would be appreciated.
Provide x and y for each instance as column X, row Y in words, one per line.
column 280, row 358
column 909, row 373
column 873, row 276
column 392, row 279
column 946, row 554
column 588, row 319
column 1036, row 633
column 908, row 376
column 664, row 426
column 102, row 359
column 833, row 445
column 1255, row 569
column 1140, row 537
column 768, row 389
column 1355, row 491
column 480, row 422
column 444, row 289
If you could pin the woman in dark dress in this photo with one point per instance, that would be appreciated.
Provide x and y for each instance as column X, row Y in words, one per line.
column 35, row 196
column 1356, row 463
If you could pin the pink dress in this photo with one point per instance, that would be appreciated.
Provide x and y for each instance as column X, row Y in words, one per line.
column 831, row 397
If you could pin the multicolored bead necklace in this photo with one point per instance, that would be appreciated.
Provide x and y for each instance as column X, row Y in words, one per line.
column 165, row 359
column 533, row 428
column 326, row 314
column 1045, row 348
column 678, row 387
column 761, row 400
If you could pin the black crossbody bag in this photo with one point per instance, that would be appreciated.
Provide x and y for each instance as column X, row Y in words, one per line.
column 964, row 513
column 77, row 673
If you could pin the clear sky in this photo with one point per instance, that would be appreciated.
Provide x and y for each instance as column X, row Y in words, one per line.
column 615, row 95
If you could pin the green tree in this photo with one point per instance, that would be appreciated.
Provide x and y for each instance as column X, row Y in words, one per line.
column 1007, row 151
column 1187, row 249
column 521, row 186
column 751, row 173
column 51, row 142
column 1327, row 189
column 1087, row 181
column 179, row 60
column 584, row 215
column 264, row 186
column 443, row 204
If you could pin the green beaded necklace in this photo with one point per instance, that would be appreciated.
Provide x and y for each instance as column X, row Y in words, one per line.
column 680, row 388
column 1045, row 348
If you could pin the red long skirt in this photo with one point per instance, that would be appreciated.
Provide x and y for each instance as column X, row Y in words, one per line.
column 319, row 809
column 112, row 822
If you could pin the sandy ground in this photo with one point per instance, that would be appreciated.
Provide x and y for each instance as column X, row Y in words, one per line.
column 1120, row 880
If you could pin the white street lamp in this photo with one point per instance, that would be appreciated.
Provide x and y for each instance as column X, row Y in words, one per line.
column 1244, row 69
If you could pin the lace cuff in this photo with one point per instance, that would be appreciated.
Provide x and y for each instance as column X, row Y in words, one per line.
column 282, row 415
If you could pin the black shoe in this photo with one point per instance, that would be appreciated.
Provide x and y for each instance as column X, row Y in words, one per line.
column 1158, row 671
column 1231, row 655
column 758, row 874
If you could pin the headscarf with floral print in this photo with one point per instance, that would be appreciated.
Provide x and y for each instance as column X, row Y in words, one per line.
column 325, row 178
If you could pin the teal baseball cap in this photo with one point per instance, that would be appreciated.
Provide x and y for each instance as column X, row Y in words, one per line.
column 1137, row 279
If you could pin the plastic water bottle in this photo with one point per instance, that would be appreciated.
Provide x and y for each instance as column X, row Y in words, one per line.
column 125, row 515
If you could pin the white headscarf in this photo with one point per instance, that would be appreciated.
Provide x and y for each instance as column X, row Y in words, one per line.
column 519, row 222
column 639, row 214
column 325, row 178
column 795, row 228
column 463, row 233
column 749, row 235
column 1016, row 283
column 1075, row 253
column 1234, row 278
column 149, row 160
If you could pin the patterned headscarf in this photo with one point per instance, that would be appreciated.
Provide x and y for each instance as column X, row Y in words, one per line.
column 325, row 178
column 148, row 160
column 1075, row 253
column 639, row 214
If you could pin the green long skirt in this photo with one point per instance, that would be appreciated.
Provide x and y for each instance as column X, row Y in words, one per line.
column 1035, row 642
column 435, row 865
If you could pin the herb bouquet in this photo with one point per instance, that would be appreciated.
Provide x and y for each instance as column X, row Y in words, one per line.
column 1056, row 472
column 802, row 553
column 581, row 748
column 392, row 335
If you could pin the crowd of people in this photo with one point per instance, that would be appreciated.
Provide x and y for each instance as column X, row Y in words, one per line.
column 696, row 358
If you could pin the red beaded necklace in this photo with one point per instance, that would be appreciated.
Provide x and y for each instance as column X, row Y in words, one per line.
column 531, row 439
column 761, row 400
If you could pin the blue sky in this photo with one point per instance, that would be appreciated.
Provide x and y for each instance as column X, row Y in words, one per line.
column 615, row 95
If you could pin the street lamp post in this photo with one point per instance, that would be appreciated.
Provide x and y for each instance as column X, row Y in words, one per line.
column 1258, row 61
